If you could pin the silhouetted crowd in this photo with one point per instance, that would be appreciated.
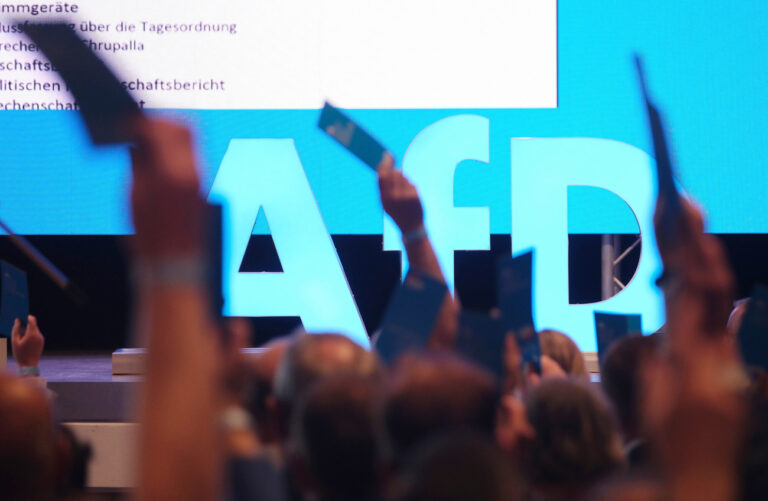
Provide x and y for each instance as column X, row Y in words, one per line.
column 317, row 417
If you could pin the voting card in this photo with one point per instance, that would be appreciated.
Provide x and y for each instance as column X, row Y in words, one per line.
column 350, row 135
column 105, row 104
column 669, row 225
column 481, row 339
column 14, row 297
column 610, row 327
column 515, row 296
column 410, row 316
column 753, row 333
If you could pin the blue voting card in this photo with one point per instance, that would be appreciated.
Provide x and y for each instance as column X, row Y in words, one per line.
column 481, row 339
column 753, row 333
column 410, row 316
column 14, row 297
column 105, row 104
column 514, row 286
column 665, row 174
column 350, row 135
column 610, row 327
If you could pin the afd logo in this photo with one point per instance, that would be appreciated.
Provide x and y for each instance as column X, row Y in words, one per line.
column 267, row 175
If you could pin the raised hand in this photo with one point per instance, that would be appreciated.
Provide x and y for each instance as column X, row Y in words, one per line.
column 27, row 346
column 694, row 406
column 166, row 200
column 399, row 197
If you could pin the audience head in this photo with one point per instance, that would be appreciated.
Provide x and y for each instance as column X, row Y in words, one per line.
column 575, row 439
column 334, row 440
column 27, row 442
column 260, row 398
column 312, row 357
column 437, row 392
column 629, row 488
column 620, row 378
column 563, row 350
column 736, row 316
column 462, row 467
column 73, row 461
column 754, row 481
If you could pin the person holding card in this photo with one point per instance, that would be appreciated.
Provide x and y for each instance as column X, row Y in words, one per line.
column 694, row 405
column 180, row 455
column 400, row 200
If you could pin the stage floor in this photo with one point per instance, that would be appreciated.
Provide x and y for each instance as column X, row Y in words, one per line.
column 85, row 389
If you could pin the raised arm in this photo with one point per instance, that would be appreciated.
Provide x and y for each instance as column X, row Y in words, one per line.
column 179, row 456
column 400, row 200
column 694, row 406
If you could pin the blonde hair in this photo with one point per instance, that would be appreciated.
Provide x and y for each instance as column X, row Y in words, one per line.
column 560, row 348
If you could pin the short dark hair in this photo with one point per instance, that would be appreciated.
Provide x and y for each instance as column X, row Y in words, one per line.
column 619, row 373
column 335, row 433
column 430, row 393
column 463, row 467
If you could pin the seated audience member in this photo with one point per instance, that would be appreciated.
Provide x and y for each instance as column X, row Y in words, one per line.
column 436, row 392
column 260, row 396
column 620, row 379
column 460, row 467
column 561, row 348
column 312, row 357
column 308, row 359
column 71, row 457
column 334, row 444
column 28, row 459
column 575, row 440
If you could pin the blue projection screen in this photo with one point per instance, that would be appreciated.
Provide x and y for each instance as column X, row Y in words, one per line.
column 439, row 85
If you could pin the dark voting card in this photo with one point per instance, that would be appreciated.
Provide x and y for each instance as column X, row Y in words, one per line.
column 515, row 296
column 104, row 103
column 14, row 297
column 214, row 266
column 481, row 339
column 610, row 327
column 753, row 333
column 410, row 316
column 350, row 135
column 669, row 225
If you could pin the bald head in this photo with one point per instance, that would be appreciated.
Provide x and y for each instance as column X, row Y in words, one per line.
column 315, row 356
column 27, row 441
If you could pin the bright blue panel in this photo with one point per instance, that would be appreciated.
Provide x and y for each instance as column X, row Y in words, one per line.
column 706, row 64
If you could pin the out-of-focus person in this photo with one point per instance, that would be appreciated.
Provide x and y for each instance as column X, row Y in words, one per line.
column 563, row 350
column 28, row 442
column 575, row 441
column 433, row 393
column 335, row 444
column 458, row 467
column 620, row 379
column 312, row 357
